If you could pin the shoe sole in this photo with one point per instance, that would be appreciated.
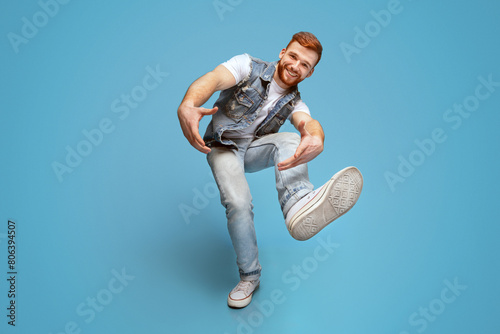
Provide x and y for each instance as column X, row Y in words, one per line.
column 335, row 199
column 240, row 303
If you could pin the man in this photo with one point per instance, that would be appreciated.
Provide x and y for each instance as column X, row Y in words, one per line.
column 256, row 98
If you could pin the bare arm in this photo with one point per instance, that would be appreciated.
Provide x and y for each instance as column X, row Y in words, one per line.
column 312, row 139
column 190, row 112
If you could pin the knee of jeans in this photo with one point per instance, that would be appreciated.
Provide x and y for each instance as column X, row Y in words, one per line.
column 291, row 138
column 239, row 205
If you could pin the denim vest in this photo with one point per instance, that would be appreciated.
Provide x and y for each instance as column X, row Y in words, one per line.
column 240, row 105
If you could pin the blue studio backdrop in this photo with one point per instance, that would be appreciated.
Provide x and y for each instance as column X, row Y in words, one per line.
column 110, row 222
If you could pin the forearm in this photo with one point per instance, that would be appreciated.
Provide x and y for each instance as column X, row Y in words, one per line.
column 200, row 91
column 190, row 111
column 315, row 129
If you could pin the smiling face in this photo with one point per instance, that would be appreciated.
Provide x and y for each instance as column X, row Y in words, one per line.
column 296, row 63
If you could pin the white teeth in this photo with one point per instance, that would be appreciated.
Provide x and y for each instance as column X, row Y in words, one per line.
column 291, row 74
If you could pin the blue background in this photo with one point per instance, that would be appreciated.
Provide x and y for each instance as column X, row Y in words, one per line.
column 120, row 208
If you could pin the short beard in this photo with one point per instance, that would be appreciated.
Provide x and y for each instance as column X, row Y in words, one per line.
column 281, row 74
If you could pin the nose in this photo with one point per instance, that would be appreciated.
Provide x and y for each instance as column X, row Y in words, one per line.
column 295, row 65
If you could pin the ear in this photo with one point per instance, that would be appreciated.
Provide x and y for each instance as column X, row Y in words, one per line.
column 282, row 53
column 310, row 73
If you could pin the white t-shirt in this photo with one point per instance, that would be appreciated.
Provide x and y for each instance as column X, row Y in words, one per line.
column 240, row 67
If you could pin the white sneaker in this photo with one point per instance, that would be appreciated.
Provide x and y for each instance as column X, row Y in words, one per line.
column 241, row 295
column 322, row 206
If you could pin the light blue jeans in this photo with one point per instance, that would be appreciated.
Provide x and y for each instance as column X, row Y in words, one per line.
column 229, row 166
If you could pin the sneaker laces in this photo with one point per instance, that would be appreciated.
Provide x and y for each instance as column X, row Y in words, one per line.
column 244, row 286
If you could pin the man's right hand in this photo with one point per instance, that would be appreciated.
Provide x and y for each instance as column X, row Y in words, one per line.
column 189, row 118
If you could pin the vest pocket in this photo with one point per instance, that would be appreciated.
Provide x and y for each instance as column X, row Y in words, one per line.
column 238, row 105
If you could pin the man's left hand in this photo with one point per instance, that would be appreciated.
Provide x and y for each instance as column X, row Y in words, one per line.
column 309, row 148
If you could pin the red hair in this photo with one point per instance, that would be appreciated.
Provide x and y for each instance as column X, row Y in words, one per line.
column 308, row 40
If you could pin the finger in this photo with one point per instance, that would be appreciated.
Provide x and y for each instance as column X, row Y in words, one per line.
column 289, row 163
column 199, row 143
column 194, row 138
column 286, row 162
column 203, row 149
column 298, row 158
column 300, row 150
column 200, row 147
column 292, row 164
column 206, row 112
column 197, row 139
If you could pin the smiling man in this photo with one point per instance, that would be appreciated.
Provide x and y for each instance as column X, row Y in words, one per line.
column 256, row 98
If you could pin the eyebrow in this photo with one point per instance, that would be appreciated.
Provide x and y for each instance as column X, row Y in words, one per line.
column 304, row 61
